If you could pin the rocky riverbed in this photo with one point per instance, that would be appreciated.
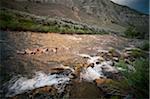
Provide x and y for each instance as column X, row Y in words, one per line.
column 75, row 66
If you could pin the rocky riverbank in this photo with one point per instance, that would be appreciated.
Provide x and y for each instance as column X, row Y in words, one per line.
column 84, row 66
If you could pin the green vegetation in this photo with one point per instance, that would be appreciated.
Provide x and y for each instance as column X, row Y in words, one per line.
column 137, row 78
column 137, row 53
column 122, row 64
column 145, row 46
column 13, row 21
column 132, row 32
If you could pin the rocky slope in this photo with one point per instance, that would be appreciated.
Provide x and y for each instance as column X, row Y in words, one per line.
column 98, row 12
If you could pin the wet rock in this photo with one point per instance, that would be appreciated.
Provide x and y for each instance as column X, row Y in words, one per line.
column 75, row 62
column 108, row 68
column 111, row 54
column 43, row 96
column 78, row 69
column 92, row 64
column 90, row 74
column 85, row 90
column 103, row 51
column 106, row 56
column 23, row 84
column 97, row 69
column 46, row 91
column 115, row 52
column 125, row 55
column 102, row 81
column 116, row 59
column 114, row 76
column 61, row 71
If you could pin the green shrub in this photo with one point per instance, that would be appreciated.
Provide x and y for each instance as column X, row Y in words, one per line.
column 145, row 46
column 138, row 80
column 137, row 53
column 122, row 64
column 131, row 32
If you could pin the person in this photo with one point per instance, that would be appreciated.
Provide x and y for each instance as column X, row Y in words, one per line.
column 55, row 50
column 34, row 51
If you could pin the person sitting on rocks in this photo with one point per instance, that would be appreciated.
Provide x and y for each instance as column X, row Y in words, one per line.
column 42, row 50
column 32, row 52
column 55, row 50
column 27, row 51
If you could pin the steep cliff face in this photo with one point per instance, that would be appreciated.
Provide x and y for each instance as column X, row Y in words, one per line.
column 97, row 12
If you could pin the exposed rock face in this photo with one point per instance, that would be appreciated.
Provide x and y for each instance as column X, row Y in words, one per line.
column 103, row 11
column 97, row 12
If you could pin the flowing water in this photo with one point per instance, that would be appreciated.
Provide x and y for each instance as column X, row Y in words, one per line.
column 23, row 84
column 54, row 69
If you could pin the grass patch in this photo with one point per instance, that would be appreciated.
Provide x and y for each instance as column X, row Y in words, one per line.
column 137, row 53
column 13, row 21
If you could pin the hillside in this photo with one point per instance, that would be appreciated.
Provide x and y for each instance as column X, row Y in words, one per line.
column 102, row 13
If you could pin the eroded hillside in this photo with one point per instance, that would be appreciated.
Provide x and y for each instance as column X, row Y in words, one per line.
column 96, row 12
